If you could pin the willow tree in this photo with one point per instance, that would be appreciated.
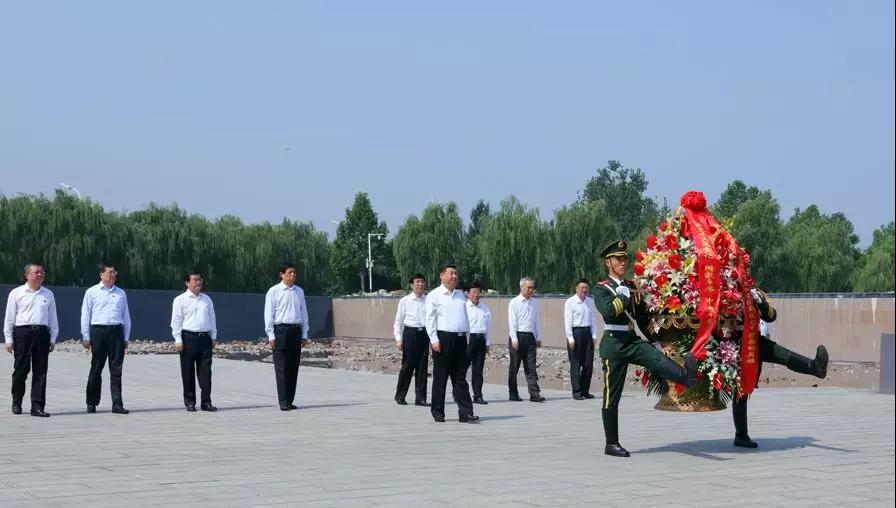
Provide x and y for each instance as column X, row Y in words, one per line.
column 577, row 234
column 510, row 243
column 424, row 244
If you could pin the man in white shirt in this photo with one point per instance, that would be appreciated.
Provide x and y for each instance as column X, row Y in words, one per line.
column 525, row 339
column 580, row 324
column 105, row 331
column 195, row 330
column 480, row 319
column 30, row 328
column 413, row 342
column 447, row 327
column 286, row 325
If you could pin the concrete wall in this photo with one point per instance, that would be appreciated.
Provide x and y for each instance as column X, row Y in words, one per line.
column 850, row 327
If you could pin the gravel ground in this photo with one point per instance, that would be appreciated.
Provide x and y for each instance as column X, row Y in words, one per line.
column 371, row 355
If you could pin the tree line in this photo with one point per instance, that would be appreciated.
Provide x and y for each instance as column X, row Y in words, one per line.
column 810, row 252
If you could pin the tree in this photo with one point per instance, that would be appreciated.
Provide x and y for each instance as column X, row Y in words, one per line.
column 349, row 250
column 622, row 190
column 819, row 252
column 577, row 235
column 423, row 245
column 472, row 267
column 733, row 197
column 510, row 243
column 875, row 272
column 757, row 226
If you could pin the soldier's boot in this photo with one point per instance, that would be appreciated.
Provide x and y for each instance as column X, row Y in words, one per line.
column 611, row 431
column 817, row 366
column 668, row 369
column 741, row 436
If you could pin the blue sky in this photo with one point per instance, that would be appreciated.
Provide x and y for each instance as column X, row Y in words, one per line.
column 273, row 109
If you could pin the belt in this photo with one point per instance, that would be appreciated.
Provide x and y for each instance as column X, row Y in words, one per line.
column 581, row 328
column 196, row 333
column 618, row 328
column 459, row 334
column 477, row 335
column 32, row 327
column 287, row 325
column 106, row 326
column 416, row 328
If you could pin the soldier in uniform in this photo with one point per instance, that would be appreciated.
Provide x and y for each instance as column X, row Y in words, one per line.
column 771, row 352
column 619, row 302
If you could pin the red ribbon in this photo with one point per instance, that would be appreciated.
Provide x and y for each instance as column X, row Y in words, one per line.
column 749, row 344
column 703, row 228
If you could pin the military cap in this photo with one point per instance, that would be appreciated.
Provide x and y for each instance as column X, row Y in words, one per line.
column 616, row 248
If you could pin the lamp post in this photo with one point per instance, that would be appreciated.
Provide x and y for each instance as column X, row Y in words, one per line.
column 369, row 260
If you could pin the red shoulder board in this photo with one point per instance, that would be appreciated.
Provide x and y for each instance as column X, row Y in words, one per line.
column 605, row 281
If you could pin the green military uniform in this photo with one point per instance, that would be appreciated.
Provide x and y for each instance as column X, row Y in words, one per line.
column 620, row 346
column 772, row 352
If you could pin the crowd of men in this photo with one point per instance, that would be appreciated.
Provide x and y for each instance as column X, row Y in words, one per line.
column 451, row 323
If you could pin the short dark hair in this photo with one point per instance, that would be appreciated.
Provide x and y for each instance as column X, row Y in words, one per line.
column 445, row 267
column 190, row 275
column 474, row 285
column 583, row 281
column 103, row 265
column 286, row 266
column 416, row 276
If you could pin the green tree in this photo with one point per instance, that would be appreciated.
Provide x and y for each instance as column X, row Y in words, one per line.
column 576, row 236
column 350, row 246
column 622, row 190
column 510, row 244
column 733, row 197
column 424, row 244
column 471, row 263
column 819, row 252
column 875, row 271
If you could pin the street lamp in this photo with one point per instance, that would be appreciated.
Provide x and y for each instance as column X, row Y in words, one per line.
column 70, row 189
column 369, row 260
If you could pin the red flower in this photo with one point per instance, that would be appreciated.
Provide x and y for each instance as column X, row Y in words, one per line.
column 684, row 229
column 675, row 262
column 671, row 242
column 664, row 226
column 727, row 388
column 638, row 372
column 638, row 269
column 651, row 241
column 639, row 256
column 673, row 302
column 661, row 280
column 679, row 389
column 699, row 374
column 717, row 381
column 644, row 379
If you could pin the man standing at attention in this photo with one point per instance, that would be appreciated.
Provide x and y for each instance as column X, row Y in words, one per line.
column 286, row 325
column 447, row 327
column 30, row 329
column 105, row 330
column 525, row 339
column 195, row 330
column 580, row 324
column 480, row 318
column 413, row 342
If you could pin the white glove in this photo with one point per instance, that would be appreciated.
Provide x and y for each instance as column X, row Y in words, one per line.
column 624, row 291
column 756, row 297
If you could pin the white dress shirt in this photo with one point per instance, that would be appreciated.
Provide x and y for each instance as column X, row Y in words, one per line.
column 446, row 311
column 193, row 313
column 409, row 313
column 480, row 319
column 105, row 306
column 28, row 307
column 522, row 316
column 285, row 305
column 577, row 313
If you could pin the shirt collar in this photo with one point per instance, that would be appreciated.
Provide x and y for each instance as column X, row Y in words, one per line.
column 284, row 287
column 29, row 290
column 614, row 279
column 191, row 295
column 106, row 289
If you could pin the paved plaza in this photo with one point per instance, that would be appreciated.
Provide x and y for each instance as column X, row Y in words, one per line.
column 349, row 444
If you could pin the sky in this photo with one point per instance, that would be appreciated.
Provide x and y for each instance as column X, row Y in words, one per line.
column 267, row 110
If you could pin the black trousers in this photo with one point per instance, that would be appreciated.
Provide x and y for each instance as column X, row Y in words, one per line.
column 31, row 349
column 476, row 361
column 196, row 362
column 581, row 360
column 526, row 355
column 451, row 362
column 414, row 361
column 287, row 353
column 106, row 343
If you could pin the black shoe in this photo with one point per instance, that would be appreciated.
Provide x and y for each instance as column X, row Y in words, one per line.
column 469, row 419
column 40, row 413
column 208, row 407
column 293, row 406
column 479, row 400
column 616, row 450
column 422, row 403
column 401, row 402
column 588, row 396
column 820, row 363
column 191, row 408
column 440, row 419
column 91, row 408
column 16, row 409
column 691, row 364
column 119, row 410
column 578, row 397
column 516, row 398
column 536, row 398
column 285, row 407
column 745, row 442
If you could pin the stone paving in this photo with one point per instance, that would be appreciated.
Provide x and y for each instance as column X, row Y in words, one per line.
column 349, row 444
